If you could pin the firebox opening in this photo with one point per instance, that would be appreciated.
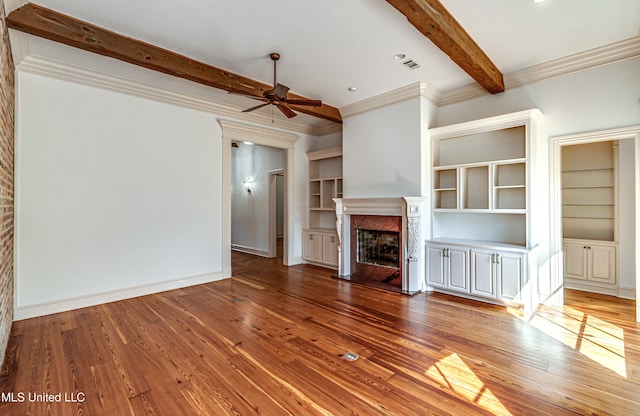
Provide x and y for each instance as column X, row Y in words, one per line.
column 378, row 248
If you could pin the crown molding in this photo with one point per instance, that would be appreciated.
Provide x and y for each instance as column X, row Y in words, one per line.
column 615, row 52
column 232, row 130
column 418, row 89
column 518, row 118
column 63, row 71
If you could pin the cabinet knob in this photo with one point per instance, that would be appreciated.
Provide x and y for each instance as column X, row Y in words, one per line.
column 310, row 236
column 333, row 239
column 497, row 258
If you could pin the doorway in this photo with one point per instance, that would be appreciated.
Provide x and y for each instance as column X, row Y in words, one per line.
column 276, row 213
column 254, row 198
column 590, row 213
column 239, row 132
column 629, row 215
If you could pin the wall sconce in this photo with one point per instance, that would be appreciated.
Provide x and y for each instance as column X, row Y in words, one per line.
column 249, row 184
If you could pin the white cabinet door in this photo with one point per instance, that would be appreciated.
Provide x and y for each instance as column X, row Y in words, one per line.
column 312, row 246
column 591, row 261
column 601, row 263
column 575, row 260
column 483, row 273
column 456, row 269
column 509, row 276
column 435, row 266
column 330, row 249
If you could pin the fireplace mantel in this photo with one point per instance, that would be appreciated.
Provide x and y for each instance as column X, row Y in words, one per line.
column 411, row 209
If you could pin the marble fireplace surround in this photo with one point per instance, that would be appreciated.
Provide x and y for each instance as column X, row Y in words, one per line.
column 410, row 209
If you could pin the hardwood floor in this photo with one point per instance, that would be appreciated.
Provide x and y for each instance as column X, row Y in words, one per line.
column 271, row 341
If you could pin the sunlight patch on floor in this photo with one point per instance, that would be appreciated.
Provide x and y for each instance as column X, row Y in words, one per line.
column 453, row 373
column 597, row 339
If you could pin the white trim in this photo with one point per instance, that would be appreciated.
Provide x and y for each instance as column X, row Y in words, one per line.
column 31, row 311
column 250, row 250
column 555, row 201
column 63, row 71
column 410, row 91
column 627, row 293
column 257, row 134
column 615, row 52
column 486, row 124
column 273, row 210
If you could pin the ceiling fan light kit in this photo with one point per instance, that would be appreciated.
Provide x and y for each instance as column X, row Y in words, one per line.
column 278, row 95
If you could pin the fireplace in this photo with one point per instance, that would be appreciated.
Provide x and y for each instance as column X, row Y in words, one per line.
column 376, row 250
column 381, row 242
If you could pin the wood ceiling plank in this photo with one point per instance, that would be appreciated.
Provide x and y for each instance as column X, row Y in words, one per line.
column 434, row 21
column 40, row 21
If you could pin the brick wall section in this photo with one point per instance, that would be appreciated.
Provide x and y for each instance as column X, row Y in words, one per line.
column 7, row 94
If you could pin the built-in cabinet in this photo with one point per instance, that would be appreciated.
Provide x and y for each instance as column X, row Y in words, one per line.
column 320, row 247
column 497, row 274
column 320, row 238
column 589, row 196
column 590, row 261
column 448, row 267
column 486, row 272
column 484, row 176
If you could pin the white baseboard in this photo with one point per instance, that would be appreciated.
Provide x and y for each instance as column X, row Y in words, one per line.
column 63, row 305
column 627, row 293
column 250, row 250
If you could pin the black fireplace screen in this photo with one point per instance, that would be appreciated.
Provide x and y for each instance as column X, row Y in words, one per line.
column 379, row 248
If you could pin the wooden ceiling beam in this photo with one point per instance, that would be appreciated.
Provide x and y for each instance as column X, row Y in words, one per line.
column 40, row 21
column 434, row 21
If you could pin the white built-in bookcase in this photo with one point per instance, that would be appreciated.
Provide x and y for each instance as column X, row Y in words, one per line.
column 589, row 191
column 482, row 173
column 489, row 198
column 325, row 183
column 320, row 238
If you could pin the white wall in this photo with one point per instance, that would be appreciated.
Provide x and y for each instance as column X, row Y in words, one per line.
column 250, row 211
column 382, row 151
column 113, row 193
column 596, row 99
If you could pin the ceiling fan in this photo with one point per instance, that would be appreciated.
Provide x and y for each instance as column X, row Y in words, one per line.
column 278, row 95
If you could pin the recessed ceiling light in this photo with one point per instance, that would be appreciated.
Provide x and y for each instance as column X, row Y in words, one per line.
column 352, row 89
column 399, row 56
column 538, row 1
column 248, row 143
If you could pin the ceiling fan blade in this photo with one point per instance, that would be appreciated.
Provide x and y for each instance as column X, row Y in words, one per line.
column 255, row 108
column 312, row 103
column 286, row 110
column 280, row 91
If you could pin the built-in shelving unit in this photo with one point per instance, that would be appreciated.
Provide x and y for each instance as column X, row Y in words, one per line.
column 485, row 181
column 484, row 173
column 589, row 216
column 588, row 191
column 325, row 183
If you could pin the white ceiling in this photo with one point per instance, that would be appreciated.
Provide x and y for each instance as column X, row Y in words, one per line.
column 330, row 45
